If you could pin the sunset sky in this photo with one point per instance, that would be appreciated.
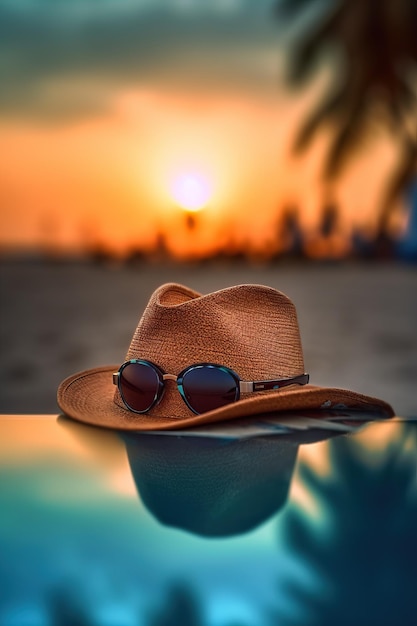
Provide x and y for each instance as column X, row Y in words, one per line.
column 118, row 118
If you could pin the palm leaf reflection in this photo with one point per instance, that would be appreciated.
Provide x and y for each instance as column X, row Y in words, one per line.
column 180, row 606
column 67, row 606
column 357, row 562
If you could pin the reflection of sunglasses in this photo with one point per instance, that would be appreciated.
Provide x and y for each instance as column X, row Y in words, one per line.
column 203, row 386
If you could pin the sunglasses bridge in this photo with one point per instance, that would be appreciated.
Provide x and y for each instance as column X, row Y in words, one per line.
column 170, row 377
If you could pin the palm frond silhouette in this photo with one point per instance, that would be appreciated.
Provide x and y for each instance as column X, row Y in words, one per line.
column 376, row 46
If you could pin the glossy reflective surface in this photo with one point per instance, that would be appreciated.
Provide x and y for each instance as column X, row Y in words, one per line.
column 99, row 529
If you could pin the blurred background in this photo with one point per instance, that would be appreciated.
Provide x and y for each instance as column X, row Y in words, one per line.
column 212, row 143
column 207, row 142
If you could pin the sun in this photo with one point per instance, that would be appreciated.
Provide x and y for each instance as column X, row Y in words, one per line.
column 191, row 191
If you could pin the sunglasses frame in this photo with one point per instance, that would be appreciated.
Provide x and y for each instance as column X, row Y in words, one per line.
column 242, row 386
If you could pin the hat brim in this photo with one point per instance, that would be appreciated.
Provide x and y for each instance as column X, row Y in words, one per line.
column 89, row 397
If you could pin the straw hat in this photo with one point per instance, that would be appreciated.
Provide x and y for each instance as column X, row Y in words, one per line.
column 251, row 329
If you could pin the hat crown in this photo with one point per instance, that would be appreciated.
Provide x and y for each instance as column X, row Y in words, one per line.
column 250, row 328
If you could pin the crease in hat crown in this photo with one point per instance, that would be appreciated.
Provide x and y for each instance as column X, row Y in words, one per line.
column 252, row 329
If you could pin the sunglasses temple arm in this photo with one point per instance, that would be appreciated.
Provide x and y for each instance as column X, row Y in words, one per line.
column 263, row 385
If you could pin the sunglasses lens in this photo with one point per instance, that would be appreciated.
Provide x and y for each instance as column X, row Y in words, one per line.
column 207, row 388
column 139, row 386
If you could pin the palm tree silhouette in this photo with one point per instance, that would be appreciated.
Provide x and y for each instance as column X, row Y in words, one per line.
column 377, row 48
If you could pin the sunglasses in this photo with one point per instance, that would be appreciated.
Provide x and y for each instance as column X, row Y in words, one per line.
column 203, row 386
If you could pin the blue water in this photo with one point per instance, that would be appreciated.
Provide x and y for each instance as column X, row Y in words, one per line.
column 79, row 546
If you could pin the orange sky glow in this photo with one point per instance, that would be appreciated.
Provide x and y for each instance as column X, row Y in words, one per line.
column 130, row 127
column 109, row 180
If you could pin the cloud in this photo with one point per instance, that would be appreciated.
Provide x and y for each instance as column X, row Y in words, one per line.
column 62, row 58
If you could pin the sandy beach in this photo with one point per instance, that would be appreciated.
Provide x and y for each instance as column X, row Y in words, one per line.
column 358, row 322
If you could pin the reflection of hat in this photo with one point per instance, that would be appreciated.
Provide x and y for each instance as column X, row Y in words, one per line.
column 250, row 329
column 213, row 486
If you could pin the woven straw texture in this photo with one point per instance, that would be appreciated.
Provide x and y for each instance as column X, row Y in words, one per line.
column 250, row 328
